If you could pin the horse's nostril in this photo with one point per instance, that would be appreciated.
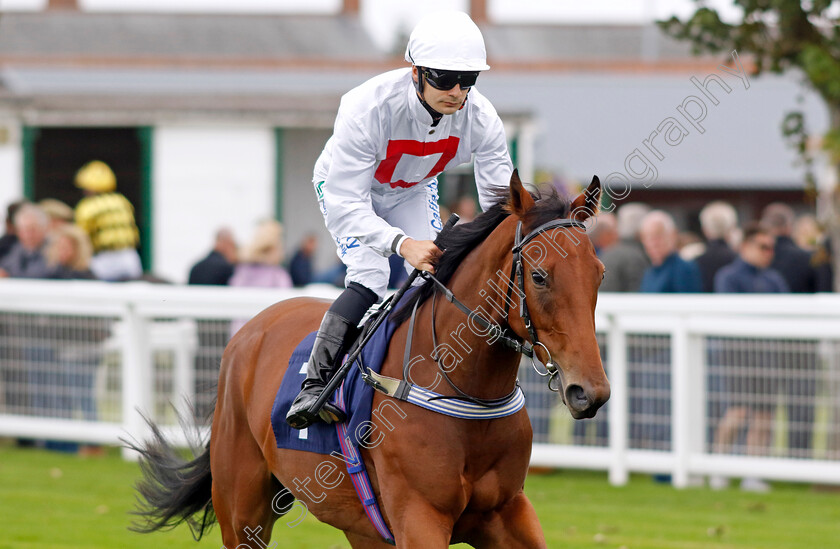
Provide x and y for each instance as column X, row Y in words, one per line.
column 576, row 397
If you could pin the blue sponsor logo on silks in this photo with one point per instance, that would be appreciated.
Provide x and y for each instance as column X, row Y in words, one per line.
column 436, row 222
column 346, row 244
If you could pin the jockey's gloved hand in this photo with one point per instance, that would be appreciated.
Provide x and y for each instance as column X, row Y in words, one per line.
column 420, row 254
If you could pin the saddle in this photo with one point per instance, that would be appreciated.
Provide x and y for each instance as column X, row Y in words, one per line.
column 357, row 395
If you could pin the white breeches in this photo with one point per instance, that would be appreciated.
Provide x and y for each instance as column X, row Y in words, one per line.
column 415, row 211
column 116, row 265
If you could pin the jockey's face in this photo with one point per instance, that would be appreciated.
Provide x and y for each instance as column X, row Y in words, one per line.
column 443, row 101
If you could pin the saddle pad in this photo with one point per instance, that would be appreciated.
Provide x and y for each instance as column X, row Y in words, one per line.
column 358, row 397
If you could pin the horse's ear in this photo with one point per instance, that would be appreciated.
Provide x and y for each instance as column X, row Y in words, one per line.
column 520, row 199
column 587, row 203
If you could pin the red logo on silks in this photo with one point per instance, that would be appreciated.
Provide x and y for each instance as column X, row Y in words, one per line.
column 398, row 147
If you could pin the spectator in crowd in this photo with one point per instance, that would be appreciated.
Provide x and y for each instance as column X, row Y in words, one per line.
column 718, row 221
column 260, row 263
column 668, row 273
column 68, row 253
column 751, row 271
column 58, row 212
column 217, row 268
column 108, row 218
column 9, row 237
column 690, row 245
column 59, row 359
column 795, row 265
column 808, row 235
column 790, row 260
column 649, row 375
column 604, row 232
column 626, row 261
column 20, row 257
column 300, row 267
column 806, row 232
column 750, row 401
column 821, row 261
column 26, row 258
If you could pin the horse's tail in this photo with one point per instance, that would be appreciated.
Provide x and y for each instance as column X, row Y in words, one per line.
column 172, row 489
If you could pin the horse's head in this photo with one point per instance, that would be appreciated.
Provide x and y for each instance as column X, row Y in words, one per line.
column 558, row 273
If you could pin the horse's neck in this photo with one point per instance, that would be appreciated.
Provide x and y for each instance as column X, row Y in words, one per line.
column 483, row 367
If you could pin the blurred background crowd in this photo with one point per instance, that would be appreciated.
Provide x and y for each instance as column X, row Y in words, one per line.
column 642, row 248
column 97, row 239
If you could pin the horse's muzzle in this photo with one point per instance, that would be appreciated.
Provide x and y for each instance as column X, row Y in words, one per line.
column 582, row 402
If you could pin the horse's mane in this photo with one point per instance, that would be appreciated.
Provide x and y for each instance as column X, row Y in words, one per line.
column 465, row 237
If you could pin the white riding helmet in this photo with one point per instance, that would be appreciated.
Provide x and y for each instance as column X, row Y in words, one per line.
column 448, row 41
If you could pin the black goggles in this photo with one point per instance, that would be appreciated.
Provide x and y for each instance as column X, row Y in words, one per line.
column 446, row 80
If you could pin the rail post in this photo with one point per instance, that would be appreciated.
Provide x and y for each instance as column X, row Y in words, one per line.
column 137, row 376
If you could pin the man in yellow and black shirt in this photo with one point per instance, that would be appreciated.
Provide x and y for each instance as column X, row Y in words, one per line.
column 108, row 218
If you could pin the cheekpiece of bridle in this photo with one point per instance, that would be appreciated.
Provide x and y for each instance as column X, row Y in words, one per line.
column 551, row 371
column 545, row 368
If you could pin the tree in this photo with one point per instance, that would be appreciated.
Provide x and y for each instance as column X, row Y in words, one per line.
column 782, row 35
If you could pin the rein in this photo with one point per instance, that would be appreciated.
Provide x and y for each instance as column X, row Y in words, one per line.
column 504, row 335
column 402, row 389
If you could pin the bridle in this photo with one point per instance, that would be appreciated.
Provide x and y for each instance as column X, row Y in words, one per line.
column 505, row 335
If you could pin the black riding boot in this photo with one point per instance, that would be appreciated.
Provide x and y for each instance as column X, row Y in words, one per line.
column 330, row 344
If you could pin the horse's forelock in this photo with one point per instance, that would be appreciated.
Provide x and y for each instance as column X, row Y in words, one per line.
column 550, row 205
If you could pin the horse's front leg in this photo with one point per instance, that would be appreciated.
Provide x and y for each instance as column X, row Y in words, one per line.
column 513, row 526
column 416, row 524
column 421, row 516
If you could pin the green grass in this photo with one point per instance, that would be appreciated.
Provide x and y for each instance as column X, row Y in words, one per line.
column 57, row 501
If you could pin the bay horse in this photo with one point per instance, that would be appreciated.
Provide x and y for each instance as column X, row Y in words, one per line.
column 439, row 480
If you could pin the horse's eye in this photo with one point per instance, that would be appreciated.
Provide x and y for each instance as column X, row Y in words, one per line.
column 604, row 274
column 538, row 279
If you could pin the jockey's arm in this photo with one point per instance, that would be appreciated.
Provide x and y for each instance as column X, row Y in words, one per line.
column 493, row 167
column 347, row 200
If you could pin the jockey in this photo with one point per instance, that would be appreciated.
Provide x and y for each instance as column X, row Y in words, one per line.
column 108, row 218
column 376, row 179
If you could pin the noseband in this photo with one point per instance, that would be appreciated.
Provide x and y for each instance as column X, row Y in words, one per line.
column 505, row 335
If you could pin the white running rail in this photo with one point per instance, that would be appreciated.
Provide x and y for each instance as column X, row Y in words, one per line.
column 80, row 360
